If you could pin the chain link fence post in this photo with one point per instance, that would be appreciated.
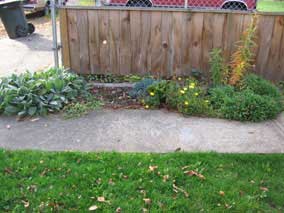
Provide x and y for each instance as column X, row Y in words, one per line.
column 55, row 47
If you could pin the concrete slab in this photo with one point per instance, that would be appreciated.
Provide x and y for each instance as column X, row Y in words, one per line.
column 142, row 131
column 31, row 53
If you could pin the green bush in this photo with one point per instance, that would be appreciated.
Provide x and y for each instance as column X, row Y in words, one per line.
column 218, row 95
column 41, row 92
column 218, row 69
column 260, row 86
column 248, row 106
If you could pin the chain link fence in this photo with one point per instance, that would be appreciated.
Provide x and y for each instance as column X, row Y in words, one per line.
column 239, row 5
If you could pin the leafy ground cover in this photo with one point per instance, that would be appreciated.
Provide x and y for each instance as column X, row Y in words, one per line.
column 270, row 6
column 179, row 182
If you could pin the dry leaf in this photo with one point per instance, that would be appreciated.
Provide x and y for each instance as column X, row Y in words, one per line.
column 144, row 210
column 165, row 178
column 264, row 189
column 93, row 208
column 176, row 189
column 101, row 199
column 147, row 201
column 222, row 193
column 26, row 203
column 185, row 167
column 153, row 168
column 34, row 119
column 8, row 126
column 118, row 210
column 194, row 173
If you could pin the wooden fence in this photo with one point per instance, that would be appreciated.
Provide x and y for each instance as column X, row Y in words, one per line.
column 163, row 43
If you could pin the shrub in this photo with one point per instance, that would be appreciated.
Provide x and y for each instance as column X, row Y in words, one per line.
column 140, row 88
column 248, row 106
column 218, row 69
column 243, row 56
column 39, row 93
column 218, row 95
column 260, row 86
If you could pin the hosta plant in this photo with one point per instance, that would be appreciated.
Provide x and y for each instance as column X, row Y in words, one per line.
column 30, row 94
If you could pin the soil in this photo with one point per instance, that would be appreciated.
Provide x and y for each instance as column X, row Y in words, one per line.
column 116, row 98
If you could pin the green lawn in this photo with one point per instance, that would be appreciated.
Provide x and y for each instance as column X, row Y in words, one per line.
column 38, row 181
column 270, row 6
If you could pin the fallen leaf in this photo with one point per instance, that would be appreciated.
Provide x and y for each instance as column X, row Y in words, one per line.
column 185, row 167
column 118, row 210
column 222, row 193
column 264, row 189
column 177, row 189
column 153, row 168
column 147, row 201
column 144, row 210
column 101, row 199
column 8, row 126
column 34, row 119
column 93, row 208
column 194, row 173
column 178, row 149
column 26, row 203
column 8, row 170
column 165, row 178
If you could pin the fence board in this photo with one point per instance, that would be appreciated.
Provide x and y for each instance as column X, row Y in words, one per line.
column 64, row 37
column 164, row 43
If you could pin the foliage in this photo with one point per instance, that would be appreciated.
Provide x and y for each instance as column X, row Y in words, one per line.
column 248, row 106
column 218, row 95
column 41, row 92
column 260, row 86
column 140, row 88
column 187, row 97
column 79, row 109
column 243, row 56
column 218, row 69
column 73, row 182
column 109, row 78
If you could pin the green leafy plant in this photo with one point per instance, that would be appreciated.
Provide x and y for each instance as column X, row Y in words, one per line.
column 248, row 106
column 38, row 93
column 79, row 109
column 260, row 86
column 140, row 88
column 218, row 95
column 242, row 58
column 218, row 69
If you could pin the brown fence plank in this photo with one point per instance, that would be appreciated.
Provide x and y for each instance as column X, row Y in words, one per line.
column 125, row 43
column 64, row 38
column 103, row 18
column 178, row 26
column 156, row 43
column 145, row 43
column 196, row 39
column 265, row 30
column 135, row 32
column 114, row 40
column 94, row 44
column 73, row 40
column 275, row 59
column 167, row 45
column 83, row 32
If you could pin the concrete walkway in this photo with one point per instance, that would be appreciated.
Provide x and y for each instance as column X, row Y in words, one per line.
column 142, row 131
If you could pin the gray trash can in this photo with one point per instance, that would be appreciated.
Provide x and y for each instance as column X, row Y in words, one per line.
column 14, row 19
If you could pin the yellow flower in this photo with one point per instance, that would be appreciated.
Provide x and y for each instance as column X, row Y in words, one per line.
column 191, row 85
column 186, row 103
column 179, row 78
column 147, row 107
column 142, row 101
column 196, row 94
column 185, row 88
column 206, row 101
column 182, row 91
column 152, row 93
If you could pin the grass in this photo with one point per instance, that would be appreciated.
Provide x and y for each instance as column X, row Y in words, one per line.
column 64, row 181
column 270, row 6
